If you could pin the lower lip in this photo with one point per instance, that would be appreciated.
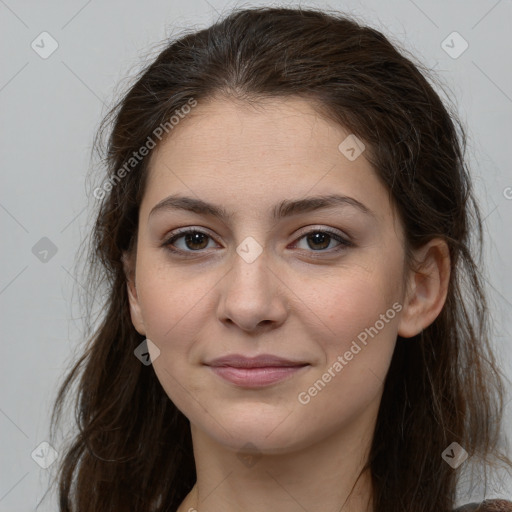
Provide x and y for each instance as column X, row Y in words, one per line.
column 256, row 377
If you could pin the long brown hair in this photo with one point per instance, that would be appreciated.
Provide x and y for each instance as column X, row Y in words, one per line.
column 132, row 449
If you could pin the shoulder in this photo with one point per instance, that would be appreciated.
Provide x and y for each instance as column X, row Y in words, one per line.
column 487, row 506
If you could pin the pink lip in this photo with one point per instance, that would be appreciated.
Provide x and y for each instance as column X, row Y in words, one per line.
column 258, row 371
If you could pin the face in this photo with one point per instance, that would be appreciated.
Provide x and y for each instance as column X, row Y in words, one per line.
column 314, row 287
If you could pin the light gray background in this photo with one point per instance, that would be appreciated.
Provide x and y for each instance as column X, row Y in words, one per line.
column 51, row 108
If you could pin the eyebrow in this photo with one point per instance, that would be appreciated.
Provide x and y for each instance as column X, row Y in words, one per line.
column 285, row 208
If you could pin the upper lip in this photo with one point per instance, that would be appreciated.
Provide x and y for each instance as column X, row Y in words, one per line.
column 261, row 361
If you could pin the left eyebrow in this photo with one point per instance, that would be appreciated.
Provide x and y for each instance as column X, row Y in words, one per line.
column 285, row 208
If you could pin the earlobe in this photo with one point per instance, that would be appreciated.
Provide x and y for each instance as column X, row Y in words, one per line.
column 427, row 288
column 133, row 298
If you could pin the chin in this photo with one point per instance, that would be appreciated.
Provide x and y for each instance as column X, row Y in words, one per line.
column 257, row 441
column 254, row 430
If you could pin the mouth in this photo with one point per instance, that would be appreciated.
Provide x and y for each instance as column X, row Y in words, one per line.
column 255, row 372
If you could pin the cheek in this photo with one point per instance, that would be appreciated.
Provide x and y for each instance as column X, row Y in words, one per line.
column 169, row 299
column 361, row 310
column 357, row 357
column 352, row 301
column 170, row 304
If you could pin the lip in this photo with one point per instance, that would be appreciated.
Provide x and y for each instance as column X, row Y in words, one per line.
column 254, row 372
column 260, row 361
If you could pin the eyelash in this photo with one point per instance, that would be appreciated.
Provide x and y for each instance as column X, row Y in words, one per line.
column 344, row 243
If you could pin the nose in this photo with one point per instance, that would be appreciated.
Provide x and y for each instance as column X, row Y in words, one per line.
column 252, row 296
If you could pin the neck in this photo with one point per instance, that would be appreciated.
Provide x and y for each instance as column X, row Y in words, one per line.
column 322, row 477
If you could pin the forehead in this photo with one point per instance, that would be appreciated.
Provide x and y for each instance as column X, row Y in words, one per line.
column 244, row 154
column 231, row 129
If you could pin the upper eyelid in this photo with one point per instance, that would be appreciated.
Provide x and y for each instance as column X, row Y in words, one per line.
column 207, row 231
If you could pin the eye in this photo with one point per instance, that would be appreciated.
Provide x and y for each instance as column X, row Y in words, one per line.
column 320, row 239
column 193, row 241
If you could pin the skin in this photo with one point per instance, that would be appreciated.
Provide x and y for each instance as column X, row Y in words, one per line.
column 299, row 300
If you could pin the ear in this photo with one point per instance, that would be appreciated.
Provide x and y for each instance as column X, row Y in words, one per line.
column 427, row 287
column 135, row 311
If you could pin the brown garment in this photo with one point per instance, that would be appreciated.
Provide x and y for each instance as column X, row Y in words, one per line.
column 487, row 506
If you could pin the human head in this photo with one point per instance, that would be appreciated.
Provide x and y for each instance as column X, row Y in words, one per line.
column 355, row 77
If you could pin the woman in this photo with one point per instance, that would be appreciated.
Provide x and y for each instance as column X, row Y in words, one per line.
column 287, row 234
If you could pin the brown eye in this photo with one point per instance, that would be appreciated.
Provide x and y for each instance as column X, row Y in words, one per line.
column 196, row 240
column 320, row 240
column 192, row 241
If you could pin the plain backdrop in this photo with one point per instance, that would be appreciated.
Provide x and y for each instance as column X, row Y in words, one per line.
column 51, row 107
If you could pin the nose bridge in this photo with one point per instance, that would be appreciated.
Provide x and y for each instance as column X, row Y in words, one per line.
column 250, row 269
column 252, row 294
column 250, row 280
